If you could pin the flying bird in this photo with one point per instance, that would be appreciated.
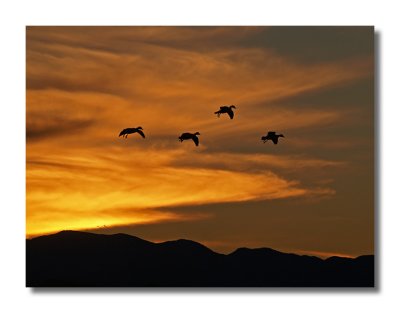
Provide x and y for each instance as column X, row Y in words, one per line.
column 271, row 136
column 126, row 131
column 226, row 109
column 186, row 136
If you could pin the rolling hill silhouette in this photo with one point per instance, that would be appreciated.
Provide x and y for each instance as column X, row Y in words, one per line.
column 71, row 258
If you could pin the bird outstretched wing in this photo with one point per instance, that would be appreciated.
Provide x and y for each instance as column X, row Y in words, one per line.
column 141, row 133
column 196, row 140
column 122, row 132
column 274, row 140
column 230, row 113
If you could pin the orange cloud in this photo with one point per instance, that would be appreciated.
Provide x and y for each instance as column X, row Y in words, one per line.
column 73, row 190
column 168, row 89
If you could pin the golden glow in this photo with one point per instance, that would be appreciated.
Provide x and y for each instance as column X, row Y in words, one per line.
column 85, row 191
column 323, row 254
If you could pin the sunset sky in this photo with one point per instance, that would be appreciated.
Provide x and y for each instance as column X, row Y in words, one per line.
column 313, row 193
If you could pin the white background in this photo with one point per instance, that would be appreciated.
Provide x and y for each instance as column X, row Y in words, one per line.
column 15, row 15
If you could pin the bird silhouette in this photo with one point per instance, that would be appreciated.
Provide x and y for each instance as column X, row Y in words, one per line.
column 126, row 131
column 226, row 109
column 186, row 136
column 271, row 136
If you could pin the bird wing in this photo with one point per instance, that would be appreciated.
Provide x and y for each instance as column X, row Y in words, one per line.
column 271, row 133
column 230, row 113
column 196, row 140
column 141, row 133
column 275, row 140
column 122, row 132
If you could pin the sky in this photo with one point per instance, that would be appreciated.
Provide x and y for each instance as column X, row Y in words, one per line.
column 313, row 193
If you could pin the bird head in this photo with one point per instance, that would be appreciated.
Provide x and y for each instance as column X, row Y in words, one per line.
column 140, row 127
column 232, row 107
column 281, row 135
column 197, row 133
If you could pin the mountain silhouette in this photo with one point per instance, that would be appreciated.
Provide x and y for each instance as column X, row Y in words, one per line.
column 81, row 259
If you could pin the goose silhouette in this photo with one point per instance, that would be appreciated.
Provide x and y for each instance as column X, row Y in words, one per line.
column 226, row 109
column 271, row 136
column 125, row 132
column 187, row 136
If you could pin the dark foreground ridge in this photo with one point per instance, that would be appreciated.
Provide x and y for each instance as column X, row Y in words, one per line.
column 80, row 259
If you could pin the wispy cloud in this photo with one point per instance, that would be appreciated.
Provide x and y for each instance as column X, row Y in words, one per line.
column 76, row 190
column 54, row 127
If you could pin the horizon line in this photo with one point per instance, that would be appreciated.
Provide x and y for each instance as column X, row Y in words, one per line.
column 311, row 253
